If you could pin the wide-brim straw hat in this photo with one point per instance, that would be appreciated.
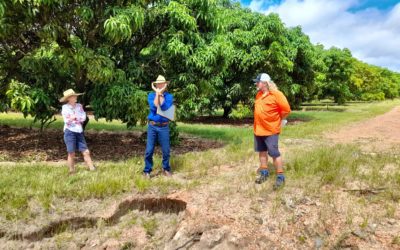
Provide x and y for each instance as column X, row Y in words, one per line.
column 68, row 93
column 160, row 79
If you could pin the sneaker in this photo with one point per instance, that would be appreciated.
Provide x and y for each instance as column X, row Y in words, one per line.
column 280, row 181
column 263, row 176
column 93, row 168
column 167, row 173
column 146, row 175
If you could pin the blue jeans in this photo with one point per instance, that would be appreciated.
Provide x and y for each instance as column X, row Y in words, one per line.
column 74, row 141
column 162, row 135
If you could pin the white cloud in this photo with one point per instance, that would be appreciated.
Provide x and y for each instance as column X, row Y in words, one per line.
column 256, row 5
column 371, row 34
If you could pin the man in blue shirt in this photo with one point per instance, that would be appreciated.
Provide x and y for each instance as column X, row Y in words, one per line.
column 158, row 127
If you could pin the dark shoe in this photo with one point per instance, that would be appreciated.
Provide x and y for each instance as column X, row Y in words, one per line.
column 146, row 175
column 263, row 176
column 167, row 173
column 280, row 181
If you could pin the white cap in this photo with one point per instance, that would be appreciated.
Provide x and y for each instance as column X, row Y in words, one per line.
column 263, row 77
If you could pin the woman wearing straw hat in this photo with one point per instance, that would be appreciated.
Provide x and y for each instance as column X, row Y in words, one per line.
column 158, row 126
column 74, row 116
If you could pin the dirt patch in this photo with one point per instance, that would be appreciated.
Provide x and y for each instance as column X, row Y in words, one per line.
column 378, row 134
column 29, row 145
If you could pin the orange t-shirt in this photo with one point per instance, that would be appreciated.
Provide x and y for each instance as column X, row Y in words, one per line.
column 268, row 112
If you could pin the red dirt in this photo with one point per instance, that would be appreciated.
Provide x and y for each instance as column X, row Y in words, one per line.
column 379, row 133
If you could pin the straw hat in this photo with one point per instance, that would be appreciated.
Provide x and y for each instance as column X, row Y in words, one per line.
column 68, row 93
column 160, row 79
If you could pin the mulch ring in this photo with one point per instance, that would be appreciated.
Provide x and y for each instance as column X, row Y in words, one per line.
column 24, row 144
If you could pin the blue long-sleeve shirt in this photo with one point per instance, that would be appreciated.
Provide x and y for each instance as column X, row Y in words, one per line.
column 168, row 101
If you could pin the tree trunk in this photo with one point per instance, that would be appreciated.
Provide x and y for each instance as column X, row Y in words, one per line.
column 227, row 111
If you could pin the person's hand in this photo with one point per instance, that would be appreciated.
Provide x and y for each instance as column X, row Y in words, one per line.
column 158, row 91
column 72, row 117
column 154, row 87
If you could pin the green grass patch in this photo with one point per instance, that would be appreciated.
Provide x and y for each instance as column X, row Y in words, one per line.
column 329, row 165
column 342, row 164
column 231, row 134
column 324, row 108
column 43, row 183
column 150, row 226
column 18, row 120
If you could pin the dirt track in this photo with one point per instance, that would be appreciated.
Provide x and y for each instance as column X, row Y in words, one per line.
column 379, row 133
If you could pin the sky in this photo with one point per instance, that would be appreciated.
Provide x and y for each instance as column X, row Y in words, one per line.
column 369, row 28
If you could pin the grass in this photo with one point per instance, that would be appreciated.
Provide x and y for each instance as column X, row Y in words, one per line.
column 341, row 164
column 150, row 226
column 18, row 120
column 396, row 240
column 324, row 108
column 20, row 184
column 329, row 165
column 321, row 122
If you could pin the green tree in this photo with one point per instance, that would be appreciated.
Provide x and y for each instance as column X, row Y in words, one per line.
column 337, row 74
column 373, row 83
column 110, row 50
column 306, row 65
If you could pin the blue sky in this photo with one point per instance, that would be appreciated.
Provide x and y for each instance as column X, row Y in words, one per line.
column 362, row 4
column 369, row 28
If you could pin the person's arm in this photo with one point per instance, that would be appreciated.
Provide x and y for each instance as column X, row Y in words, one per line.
column 150, row 101
column 159, row 99
column 68, row 115
column 167, row 103
column 80, row 114
column 283, row 105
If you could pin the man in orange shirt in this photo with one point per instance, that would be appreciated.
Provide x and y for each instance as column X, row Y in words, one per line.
column 270, row 110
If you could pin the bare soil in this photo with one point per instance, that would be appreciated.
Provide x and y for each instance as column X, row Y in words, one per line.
column 377, row 134
column 24, row 144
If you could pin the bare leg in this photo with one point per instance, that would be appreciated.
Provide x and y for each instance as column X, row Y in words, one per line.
column 280, row 177
column 263, row 159
column 71, row 162
column 88, row 159
column 278, row 163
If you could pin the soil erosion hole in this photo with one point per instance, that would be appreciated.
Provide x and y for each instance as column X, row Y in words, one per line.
column 154, row 205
